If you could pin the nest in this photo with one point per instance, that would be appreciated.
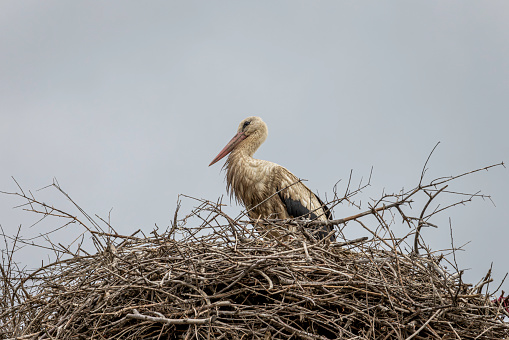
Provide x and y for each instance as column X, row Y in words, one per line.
column 225, row 279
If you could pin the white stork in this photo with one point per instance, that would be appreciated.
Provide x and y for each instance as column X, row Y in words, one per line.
column 266, row 189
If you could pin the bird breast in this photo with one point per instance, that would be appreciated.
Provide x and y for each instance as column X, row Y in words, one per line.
column 251, row 182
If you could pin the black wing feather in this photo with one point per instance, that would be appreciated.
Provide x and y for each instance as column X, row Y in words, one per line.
column 296, row 209
column 325, row 208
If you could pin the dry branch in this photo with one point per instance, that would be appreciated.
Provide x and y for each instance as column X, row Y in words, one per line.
column 222, row 279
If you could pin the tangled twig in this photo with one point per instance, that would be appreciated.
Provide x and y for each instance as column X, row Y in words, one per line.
column 225, row 279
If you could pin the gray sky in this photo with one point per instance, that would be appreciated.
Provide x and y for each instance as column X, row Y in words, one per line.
column 125, row 103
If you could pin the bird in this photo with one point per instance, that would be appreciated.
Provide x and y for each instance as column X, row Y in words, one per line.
column 267, row 189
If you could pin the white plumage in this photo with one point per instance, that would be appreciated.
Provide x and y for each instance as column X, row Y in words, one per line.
column 266, row 189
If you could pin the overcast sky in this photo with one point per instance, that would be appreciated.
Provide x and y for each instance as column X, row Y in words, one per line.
column 125, row 103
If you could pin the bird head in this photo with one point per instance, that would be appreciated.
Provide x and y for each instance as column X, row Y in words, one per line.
column 253, row 130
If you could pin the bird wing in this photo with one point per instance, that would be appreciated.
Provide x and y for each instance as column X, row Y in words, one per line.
column 299, row 200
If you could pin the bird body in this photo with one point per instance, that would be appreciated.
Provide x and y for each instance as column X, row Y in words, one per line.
column 266, row 189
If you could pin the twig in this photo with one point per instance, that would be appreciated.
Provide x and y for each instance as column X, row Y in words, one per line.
column 142, row 317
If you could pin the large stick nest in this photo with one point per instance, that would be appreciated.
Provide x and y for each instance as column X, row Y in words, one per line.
column 226, row 279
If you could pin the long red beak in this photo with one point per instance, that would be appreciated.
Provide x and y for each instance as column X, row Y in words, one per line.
column 229, row 147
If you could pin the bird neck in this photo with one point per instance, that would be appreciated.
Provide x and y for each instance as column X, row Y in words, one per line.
column 241, row 157
column 241, row 167
column 248, row 146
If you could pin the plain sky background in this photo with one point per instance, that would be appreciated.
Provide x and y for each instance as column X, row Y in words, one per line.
column 125, row 103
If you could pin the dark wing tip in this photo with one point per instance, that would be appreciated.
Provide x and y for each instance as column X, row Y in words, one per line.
column 296, row 209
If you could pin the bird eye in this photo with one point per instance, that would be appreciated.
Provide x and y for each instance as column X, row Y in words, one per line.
column 245, row 124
